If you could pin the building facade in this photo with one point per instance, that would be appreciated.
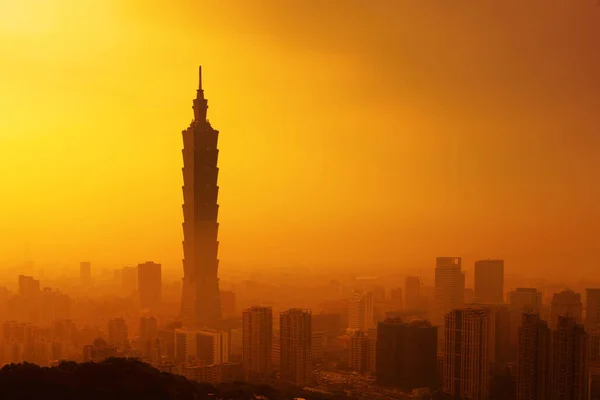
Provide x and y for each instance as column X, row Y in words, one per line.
column 406, row 355
column 566, row 304
column 295, row 332
column 361, row 310
column 569, row 360
column 533, row 368
column 449, row 287
column 200, row 304
column 257, row 343
column 469, row 339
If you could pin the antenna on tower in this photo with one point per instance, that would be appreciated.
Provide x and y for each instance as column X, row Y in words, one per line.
column 200, row 77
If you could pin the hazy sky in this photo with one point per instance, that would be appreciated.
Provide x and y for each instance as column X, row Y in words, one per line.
column 352, row 132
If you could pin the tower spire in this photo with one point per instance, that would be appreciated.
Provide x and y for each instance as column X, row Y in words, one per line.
column 200, row 77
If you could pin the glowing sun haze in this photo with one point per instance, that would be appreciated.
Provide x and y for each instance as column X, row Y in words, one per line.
column 352, row 132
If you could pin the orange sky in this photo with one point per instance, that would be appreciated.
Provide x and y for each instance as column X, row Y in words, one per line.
column 352, row 132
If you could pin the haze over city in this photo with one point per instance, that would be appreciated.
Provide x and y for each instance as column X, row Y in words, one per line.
column 307, row 200
column 361, row 136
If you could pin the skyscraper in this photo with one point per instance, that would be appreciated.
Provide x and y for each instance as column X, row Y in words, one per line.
column 149, row 284
column 361, row 346
column 295, row 349
column 469, row 339
column 449, row 286
column 257, row 343
column 406, row 354
column 201, row 304
column 533, row 368
column 489, row 281
column 525, row 300
column 566, row 303
column 118, row 333
column 361, row 310
column 569, row 360
column 592, row 308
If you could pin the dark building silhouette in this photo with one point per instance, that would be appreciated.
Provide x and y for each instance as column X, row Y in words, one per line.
column 503, row 351
column 533, row 368
column 149, row 284
column 149, row 337
column 257, row 343
column 569, row 361
column 200, row 305
column 592, row 308
column 566, row 304
column 489, row 281
column 468, row 350
column 406, row 355
column 295, row 330
column 363, row 351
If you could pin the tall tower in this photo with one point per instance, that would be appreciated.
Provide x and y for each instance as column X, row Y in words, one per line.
column 569, row 360
column 469, row 340
column 533, row 372
column 295, row 345
column 258, row 343
column 449, row 287
column 200, row 303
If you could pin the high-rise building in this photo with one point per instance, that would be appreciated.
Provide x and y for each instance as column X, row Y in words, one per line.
column 504, row 353
column 118, row 333
column 317, row 346
column 594, row 346
column 522, row 300
column 406, row 354
column 257, row 343
column 533, row 368
column 362, row 352
column 449, row 286
column 129, row 280
column 212, row 346
column 469, row 339
column 489, row 281
column 85, row 272
column 295, row 332
column 592, row 308
column 361, row 310
column 412, row 293
column 200, row 304
column 148, row 337
column 569, row 360
column 525, row 300
column 204, row 346
column 566, row 303
column 149, row 284
column 396, row 299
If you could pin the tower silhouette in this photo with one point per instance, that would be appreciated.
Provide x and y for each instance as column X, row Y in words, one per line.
column 201, row 304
